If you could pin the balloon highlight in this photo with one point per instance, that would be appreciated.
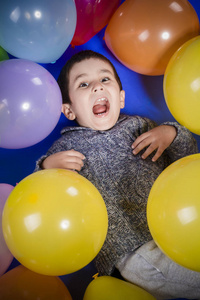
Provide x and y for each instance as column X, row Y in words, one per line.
column 144, row 34
column 37, row 30
column 182, row 85
column 30, row 103
column 173, row 211
column 55, row 222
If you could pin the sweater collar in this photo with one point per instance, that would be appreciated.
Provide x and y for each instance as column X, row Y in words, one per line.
column 79, row 128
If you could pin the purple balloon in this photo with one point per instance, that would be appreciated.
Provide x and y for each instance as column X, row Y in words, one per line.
column 30, row 103
column 5, row 256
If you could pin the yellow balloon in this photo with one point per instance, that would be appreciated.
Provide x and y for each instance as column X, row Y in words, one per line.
column 55, row 222
column 173, row 211
column 182, row 85
column 110, row 288
column 23, row 284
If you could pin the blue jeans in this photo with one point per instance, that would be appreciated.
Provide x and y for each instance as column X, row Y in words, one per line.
column 153, row 271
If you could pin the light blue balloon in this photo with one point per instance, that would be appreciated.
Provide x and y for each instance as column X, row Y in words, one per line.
column 38, row 30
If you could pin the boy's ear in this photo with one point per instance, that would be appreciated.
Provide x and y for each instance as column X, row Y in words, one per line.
column 68, row 112
column 122, row 99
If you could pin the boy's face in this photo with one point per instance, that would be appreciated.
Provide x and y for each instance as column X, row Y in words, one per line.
column 95, row 95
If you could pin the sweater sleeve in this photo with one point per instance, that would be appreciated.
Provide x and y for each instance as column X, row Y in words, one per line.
column 184, row 143
column 58, row 146
column 137, row 125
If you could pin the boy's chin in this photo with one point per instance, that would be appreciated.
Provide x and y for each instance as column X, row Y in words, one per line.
column 103, row 124
column 100, row 123
column 104, row 127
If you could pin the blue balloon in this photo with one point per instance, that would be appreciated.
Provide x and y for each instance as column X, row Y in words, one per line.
column 39, row 30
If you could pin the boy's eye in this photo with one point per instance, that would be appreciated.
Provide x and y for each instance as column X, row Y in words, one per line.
column 105, row 79
column 83, row 84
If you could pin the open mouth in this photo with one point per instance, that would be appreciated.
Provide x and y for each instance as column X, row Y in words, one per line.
column 101, row 107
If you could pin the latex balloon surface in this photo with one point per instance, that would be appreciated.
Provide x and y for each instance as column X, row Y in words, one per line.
column 3, row 54
column 92, row 16
column 144, row 34
column 55, row 222
column 30, row 103
column 5, row 256
column 23, row 284
column 173, row 212
column 110, row 288
column 37, row 30
column 182, row 85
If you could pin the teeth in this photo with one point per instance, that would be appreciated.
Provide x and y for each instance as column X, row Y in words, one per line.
column 102, row 99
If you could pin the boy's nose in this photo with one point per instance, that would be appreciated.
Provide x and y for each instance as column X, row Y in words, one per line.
column 97, row 87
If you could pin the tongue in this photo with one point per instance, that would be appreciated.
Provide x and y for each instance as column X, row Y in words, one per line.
column 99, row 109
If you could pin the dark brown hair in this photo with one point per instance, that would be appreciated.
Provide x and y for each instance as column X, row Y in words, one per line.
column 63, row 78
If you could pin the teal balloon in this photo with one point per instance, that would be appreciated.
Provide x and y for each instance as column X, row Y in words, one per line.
column 39, row 30
column 3, row 54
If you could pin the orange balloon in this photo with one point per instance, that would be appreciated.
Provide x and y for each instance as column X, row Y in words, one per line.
column 144, row 34
column 23, row 284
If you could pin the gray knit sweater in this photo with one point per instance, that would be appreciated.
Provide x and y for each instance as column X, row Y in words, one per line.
column 124, row 180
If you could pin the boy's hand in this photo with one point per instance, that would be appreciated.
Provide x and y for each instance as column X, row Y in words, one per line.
column 157, row 138
column 71, row 160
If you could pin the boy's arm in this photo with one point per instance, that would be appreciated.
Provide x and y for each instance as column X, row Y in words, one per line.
column 61, row 155
column 70, row 160
column 158, row 138
column 184, row 143
column 178, row 141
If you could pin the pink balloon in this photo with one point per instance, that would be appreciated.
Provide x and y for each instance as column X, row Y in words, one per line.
column 92, row 16
column 5, row 256
column 30, row 103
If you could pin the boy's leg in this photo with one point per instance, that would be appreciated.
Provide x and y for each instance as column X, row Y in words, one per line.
column 150, row 269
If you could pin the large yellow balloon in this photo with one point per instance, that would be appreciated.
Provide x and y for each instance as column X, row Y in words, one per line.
column 55, row 222
column 110, row 288
column 182, row 85
column 23, row 284
column 173, row 211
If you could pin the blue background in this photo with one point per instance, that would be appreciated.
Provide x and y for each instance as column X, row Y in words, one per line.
column 144, row 97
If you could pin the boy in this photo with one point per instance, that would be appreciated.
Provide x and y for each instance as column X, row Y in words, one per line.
column 121, row 156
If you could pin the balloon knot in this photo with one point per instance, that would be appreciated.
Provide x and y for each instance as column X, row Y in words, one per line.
column 95, row 275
